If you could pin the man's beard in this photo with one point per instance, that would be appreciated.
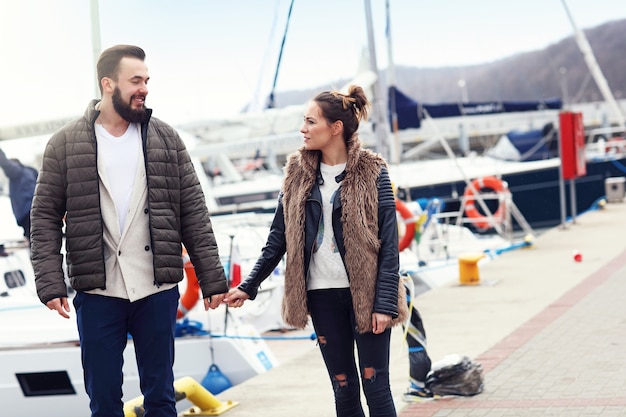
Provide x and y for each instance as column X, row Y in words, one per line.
column 125, row 111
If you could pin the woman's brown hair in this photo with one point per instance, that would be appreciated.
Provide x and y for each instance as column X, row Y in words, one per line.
column 351, row 108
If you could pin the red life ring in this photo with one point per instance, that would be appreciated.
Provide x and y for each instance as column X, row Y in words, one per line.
column 480, row 220
column 409, row 225
column 192, row 293
column 615, row 145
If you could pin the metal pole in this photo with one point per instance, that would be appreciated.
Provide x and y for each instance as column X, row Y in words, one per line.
column 563, row 72
column 561, row 185
column 391, row 87
column 230, row 277
column 270, row 101
column 380, row 123
column 572, row 196
column 594, row 68
column 95, row 41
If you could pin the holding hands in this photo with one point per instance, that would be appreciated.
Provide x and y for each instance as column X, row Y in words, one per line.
column 236, row 297
column 213, row 301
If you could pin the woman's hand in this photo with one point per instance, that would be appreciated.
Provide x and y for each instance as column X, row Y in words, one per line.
column 380, row 322
column 235, row 297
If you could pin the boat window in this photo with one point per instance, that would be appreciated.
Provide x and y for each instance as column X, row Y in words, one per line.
column 14, row 279
column 45, row 383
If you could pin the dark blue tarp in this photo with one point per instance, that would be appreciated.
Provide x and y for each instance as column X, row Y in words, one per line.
column 524, row 141
column 443, row 110
column 410, row 112
column 535, row 144
column 515, row 106
column 485, row 107
column 406, row 109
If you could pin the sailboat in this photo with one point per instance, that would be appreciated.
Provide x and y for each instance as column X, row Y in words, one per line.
column 40, row 352
column 535, row 181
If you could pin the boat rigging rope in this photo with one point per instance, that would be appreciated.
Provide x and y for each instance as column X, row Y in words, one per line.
column 188, row 327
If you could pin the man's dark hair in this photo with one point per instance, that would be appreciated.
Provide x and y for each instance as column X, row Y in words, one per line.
column 109, row 61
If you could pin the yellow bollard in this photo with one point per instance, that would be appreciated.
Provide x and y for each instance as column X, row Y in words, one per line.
column 206, row 404
column 468, row 268
column 134, row 407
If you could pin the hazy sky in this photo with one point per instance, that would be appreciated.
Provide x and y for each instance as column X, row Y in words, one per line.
column 207, row 58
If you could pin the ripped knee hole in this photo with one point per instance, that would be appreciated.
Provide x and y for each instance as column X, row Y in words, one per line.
column 369, row 373
column 342, row 380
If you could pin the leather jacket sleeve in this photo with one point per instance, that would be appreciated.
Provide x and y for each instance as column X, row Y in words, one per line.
column 271, row 254
column 386, row 300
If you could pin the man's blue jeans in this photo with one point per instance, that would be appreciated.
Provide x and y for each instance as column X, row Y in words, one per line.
column 104, row 324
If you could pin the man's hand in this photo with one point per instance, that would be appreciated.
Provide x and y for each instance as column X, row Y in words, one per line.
column 213, row 301
column 61, row 306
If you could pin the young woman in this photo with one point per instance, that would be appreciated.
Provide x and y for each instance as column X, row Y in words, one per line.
column 336, row 222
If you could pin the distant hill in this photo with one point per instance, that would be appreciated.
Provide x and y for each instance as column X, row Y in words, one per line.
column 559, row 70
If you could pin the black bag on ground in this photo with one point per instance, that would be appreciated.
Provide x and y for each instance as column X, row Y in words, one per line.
column 455, row 375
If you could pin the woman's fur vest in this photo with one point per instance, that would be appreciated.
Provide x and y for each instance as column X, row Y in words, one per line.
column 360, row 223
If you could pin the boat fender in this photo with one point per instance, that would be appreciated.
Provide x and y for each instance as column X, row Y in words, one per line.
column 409, row 225
column 192, row 293
column 480, row 220
column 215, row 381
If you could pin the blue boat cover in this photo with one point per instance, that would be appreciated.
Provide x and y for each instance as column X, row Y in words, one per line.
column 410, row 112
column 406, row 109
column 524, row 142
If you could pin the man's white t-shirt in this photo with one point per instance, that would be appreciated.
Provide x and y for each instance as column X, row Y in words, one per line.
column 120, row 156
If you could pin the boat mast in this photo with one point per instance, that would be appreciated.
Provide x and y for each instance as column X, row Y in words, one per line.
column 95, row 41
column 380, row 122
column 270, row 100
column 391, row 89
column 594, row 68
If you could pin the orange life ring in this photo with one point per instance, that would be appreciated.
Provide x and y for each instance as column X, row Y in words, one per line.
column 192, row 293
column 480, row 220
column 409, row 225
